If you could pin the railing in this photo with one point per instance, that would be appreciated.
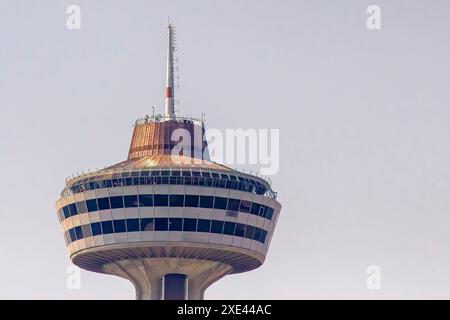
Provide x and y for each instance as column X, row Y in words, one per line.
column 127, row 179
column 161, row 118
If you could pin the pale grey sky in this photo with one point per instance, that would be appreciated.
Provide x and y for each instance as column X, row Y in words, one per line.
column 364, row 119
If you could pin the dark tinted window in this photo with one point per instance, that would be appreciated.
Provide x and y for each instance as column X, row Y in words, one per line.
column 96, row 228
column 147, row 224
column 249, row 230
column 269, row 213
column 257, row 234
column 73, row 209
column 220, row 203
column 175, row 224
column 229, row 228
column 91, row 205
column 119, row 226
column 161, row 200
column 191, row 201
column 103, row 204
column 116, row 202
column 263, row 236
column 145, row 200
column 176, row 200
column 255, row 208
column 216, row 226
column 161, row 224
column 206, row 201
column 203, row 225
column 66, row 212
column 130, row 201
column 233, row 204
column 245, row 206
column 72, row 235
column 190, row 224
column 107, row 227
column 262, row 211
column 132, row 225
column 78, row 233
column 240, row 230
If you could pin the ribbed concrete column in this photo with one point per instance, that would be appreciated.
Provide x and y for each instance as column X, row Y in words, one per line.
column 147, row 275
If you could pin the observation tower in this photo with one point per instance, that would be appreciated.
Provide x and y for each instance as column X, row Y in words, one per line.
column 168, row 219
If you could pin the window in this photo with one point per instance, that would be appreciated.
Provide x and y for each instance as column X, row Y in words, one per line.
column 161, row 224
column 73, row 209
column 147, row 224
column 269, row 213
column 165, row 173
column 130, row 201
column 257, row 234
column 186, row 173
column 176, row 173
column 66, row 212
column 229, row 228
column 161, row 200
column 175, row 224
column 196, row 173
column 233, row 204
column 262, row 211
column 86, row 229
column 240, row 230
column 132, row 225
column 206, row 201
column 220, row 203
column 245, row 206
column 249, row 230
column 116, row 202
column 189, row 224
column 103, row 203
column 72, row 235
column 119, row 226
column 176, row 200
column 145, row 200
column 216, row 226
column 191, row 201
column 107, row 227
column 96, row 228
column 263, row 236
column 78, row 232
column 81, row 207
column 203, row 225
column 255, row 208
column 91, row 205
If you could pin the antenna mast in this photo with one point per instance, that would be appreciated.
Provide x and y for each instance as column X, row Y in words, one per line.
column 169, row 103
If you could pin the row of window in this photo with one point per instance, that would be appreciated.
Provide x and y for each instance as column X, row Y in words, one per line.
column 246, row 186
column 165, row 224
column 172, row 177
column 233, row 206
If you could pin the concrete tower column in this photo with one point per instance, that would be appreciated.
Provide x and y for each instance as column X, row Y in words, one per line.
column 151, row 277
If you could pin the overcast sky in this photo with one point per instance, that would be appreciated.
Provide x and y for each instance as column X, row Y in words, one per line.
column 363, row 116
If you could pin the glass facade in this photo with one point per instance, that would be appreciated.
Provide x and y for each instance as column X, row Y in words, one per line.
column 175, row 177
column 166, row 224
column 233, row 206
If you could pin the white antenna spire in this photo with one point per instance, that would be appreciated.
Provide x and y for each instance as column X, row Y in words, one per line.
column 169, row 105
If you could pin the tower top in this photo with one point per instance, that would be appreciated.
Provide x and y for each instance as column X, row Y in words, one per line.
column 169, row 103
